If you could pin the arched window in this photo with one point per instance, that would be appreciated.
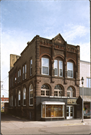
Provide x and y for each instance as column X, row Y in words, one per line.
column 45, row 66
column 31, row 95
column 19, row 97
column 58, row 68
column 24, row 96
column 70, row 70
column 45, row 90
column 70, row 92
column 58, row 90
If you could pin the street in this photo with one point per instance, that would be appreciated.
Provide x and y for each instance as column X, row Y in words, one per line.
column 12, row 125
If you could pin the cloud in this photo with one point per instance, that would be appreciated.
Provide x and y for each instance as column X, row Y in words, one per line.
column 75, row 31
column 12, row 42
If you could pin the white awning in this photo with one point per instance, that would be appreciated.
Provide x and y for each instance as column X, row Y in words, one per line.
column 52, row 103
column 86, row 98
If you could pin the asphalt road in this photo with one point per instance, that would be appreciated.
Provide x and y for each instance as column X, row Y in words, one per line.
column 14, row 126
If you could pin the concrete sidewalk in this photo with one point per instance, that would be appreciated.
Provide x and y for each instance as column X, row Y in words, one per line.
column 43, row 127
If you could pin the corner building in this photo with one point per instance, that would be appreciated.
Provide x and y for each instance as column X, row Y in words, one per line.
column 44, row 80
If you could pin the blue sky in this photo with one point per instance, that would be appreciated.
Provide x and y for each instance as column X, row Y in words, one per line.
column 21, row 20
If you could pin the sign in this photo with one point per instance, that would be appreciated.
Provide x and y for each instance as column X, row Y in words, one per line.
column 71, row 101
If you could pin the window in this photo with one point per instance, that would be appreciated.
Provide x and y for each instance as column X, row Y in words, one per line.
column 52, row 110
column 19, row 98
column 31, row 67
column 24, row 72
column 70, row 91
column 19, row 75
column 58, row 90
column 70, row 69
column 45, row 90
column 58, row 68
column 24, row 96
column 31, row 95
column 89, row 82
column 45, row 66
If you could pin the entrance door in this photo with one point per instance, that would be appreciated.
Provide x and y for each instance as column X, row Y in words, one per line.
column 69, row 112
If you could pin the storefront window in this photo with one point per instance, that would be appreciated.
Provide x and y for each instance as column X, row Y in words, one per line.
column 53, row 111
column 87, row 110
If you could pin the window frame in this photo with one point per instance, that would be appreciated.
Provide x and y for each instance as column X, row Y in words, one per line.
column 19, row 93
column 24, row 71
column 58, row 69
column 71, row 92
column 88, row 82
column 31, row 64
column 42, row 66
column 29, row 95
column 70, row 70
column 23, row 96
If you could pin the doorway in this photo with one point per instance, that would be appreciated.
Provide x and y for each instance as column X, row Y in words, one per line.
column 69, row 112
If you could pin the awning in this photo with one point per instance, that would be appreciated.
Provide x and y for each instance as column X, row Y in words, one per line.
column 52, row 103
column 86, row 98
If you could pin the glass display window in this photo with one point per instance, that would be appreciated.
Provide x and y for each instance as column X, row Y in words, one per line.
column 52, row 111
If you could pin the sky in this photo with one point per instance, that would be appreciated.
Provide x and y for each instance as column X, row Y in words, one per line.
column 21, row 20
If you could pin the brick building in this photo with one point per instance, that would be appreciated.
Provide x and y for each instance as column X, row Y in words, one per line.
column 44, row 80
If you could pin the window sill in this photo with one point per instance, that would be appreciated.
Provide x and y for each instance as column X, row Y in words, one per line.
column 68, row 78
column 59, row 77
column 30, row 105
column 45, row 75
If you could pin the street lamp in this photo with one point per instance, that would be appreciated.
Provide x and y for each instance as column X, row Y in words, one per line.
column 82, row 79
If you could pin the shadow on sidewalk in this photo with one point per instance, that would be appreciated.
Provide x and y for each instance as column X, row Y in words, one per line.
column 9, row 117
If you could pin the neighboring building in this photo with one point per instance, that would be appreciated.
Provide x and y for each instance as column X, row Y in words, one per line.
column 86, row 91
column 85, row 73
column 44, row 80
column 3, row 101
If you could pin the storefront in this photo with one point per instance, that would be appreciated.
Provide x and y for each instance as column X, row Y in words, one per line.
column 51, row 109
column 86, row 105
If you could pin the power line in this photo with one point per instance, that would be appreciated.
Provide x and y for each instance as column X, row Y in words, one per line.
column 5, row 77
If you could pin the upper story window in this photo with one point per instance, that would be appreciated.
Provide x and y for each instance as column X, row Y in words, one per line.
column 70, row 92
column 89, row 82
column 31, row 95
column 58, row 90
column 19, row 98
column 70, row 69
column 58, row 68
column 24, row 71
column 45, row 90
column 31, row 67
column 45, row 66
column 24, row 96
column 19, row 75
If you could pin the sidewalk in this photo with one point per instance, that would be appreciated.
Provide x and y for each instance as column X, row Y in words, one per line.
column 45, row 127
